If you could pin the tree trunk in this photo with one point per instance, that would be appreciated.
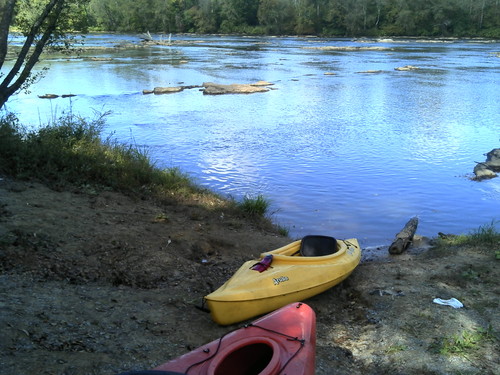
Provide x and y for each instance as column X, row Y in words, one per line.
column 6, row 12
column 405, row 237
column 38, row 36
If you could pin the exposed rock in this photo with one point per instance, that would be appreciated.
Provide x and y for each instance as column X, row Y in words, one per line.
column 187, row 87
column 350, row 48
column 55, row 96
column 406, row 68
column 235, row 88
column 167, row 90
column 482, row 172
column 493, row 159
column 262, row 83
column 48, row 96
column 101, row 59
column 487, row 169
column 211, row 88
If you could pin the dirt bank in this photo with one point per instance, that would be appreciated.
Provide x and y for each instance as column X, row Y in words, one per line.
column 99, row 283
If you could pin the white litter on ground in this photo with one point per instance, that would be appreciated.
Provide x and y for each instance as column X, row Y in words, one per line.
column 453, row 302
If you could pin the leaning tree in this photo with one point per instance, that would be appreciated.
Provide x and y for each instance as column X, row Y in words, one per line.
column 42, row 24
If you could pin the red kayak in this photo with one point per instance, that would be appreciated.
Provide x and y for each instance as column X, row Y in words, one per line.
column 282, row 342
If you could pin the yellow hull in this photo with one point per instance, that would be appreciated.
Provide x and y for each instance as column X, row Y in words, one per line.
column 290, row 278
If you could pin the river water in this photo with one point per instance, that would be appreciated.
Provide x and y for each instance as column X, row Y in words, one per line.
column 347, row 153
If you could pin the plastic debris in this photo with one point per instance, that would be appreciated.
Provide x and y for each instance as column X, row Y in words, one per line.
column 264, row 264
column 453, row 302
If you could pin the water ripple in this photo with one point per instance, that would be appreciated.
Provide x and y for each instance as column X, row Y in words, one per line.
column 351, row 155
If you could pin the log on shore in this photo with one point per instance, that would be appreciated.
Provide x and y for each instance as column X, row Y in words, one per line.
column 405, row 237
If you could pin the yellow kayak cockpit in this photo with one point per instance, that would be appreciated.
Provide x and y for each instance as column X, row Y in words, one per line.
column 293, row 272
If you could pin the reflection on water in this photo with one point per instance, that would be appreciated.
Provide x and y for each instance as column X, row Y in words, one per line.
column 348, row 154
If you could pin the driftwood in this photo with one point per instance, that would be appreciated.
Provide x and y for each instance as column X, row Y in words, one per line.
column 405, row 237
column 147, row 37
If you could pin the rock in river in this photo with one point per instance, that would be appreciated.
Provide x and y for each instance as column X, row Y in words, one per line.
column 235, row 88
column 488, row 168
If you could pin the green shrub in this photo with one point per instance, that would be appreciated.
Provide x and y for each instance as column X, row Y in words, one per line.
column 464, row 343
column 486, row 236
column 71, row 150
column 12, row 146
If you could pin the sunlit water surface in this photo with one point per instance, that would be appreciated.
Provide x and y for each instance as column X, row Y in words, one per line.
column 348, row 154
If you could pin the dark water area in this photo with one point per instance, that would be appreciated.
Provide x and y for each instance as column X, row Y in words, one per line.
column 337, row 150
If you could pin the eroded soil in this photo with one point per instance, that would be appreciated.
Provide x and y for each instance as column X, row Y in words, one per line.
column 100, row 283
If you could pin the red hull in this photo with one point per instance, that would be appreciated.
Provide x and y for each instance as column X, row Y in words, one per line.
column 282, row 342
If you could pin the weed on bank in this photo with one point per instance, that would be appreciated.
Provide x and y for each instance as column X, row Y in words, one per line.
column 71, row 150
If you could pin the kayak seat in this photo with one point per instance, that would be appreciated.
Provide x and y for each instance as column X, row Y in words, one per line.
column 315, row 246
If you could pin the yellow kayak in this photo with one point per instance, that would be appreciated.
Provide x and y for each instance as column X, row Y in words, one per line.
column 291, row 273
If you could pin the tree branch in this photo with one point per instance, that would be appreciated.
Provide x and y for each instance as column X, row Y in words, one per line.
column 35, row 30
column 33, row 59
column 45, row 25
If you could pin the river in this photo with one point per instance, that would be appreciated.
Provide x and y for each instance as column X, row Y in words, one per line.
column 335, row 149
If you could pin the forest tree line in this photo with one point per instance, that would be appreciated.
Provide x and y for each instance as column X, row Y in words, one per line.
column 303, row 17
column 427, row 18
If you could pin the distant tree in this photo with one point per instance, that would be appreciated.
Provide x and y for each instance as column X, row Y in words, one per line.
column 277, row 16
column 204, row 16
column 305, row 11
column 107, row 14
column 236, row 14
column 320, row 17
column 42, row 23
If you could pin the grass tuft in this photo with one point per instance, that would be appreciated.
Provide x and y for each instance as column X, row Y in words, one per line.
column 486, row 236
column 257, row 206
column 396, row 348
column 283, row 231
column 464, row 343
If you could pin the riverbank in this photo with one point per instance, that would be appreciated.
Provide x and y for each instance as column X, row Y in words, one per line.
column 101, row 282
